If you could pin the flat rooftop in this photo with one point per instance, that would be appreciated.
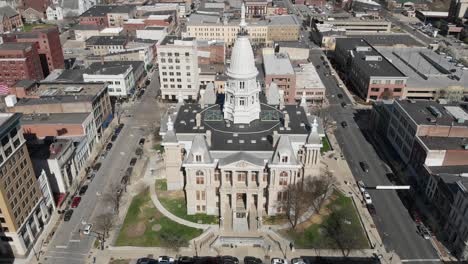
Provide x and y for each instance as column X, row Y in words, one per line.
column 15, row 46
column 425, row 68
column 112, row 67
column 445, row 143
column 170, row 39
column 54, row 118
column 106, row 40
column 277, row 64
column 368, row 58
column 57, row 89
column 419, row 111
column 389, row 40
column 256, row 136
column 307, row 77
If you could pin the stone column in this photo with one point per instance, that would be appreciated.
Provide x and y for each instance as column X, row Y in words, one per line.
column 30, row 234
column 36, row 221
column 249, row 178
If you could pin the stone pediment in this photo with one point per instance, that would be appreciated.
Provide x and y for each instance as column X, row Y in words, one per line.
column 241, row 160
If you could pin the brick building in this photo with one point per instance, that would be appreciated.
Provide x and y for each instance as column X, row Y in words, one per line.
column 371, row 75
column 23, row 210
column 49, row 47
column 211, row 52
column 9, row 19
column 19, row 61
column 278, row 69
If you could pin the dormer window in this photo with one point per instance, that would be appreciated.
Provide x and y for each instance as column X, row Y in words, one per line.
column 284, row 159
column 198, row 158
column 242, row 85
column 242, row 102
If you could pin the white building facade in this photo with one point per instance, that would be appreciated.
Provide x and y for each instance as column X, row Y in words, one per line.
column 54, row 13
column 178, row 68
column 235, row 159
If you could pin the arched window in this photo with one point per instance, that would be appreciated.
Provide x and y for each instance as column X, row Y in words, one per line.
column 200, row 177
column 283, row 179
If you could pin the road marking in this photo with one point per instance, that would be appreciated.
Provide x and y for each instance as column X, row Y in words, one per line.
column 67, row 252
column 420, row 260
column 60, row 246
column 74, row 240
column 56, row 257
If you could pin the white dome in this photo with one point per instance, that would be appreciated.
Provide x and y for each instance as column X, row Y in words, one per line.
column 242, row 60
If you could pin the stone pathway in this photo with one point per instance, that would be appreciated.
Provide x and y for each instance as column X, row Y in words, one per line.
column 165, row 212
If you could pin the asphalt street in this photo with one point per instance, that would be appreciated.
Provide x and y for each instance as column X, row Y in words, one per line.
column 68, row 245
column 403, row 25
column 395, row 225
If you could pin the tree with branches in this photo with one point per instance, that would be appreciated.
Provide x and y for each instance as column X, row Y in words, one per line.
column 337, row 229
column 295, row 201
column 114, row 196
column 104, row 223
column 319, row 187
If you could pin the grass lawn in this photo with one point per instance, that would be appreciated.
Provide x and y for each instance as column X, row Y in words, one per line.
column 312, row 234
column 145, row 226
column 275, row 220
column 159, row 147
column 326, row 145
column 29, row 27
column 174, row 202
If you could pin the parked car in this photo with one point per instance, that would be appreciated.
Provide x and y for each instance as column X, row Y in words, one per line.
column 114, row 137
column 118, row 129
column 165, row 260
column 186, row 260
column 424, row 231
column 146, row 261
column 340, row 95
column 362, row 186
column 344, row 124
column 87, row 229
column 278, row 261
column 367, row 198
column 133, row 161
column 141, row 142
column 252, row 260
column 364, row 166
column 91, row 175
column 109, row 146
column 83, row 190
column 97, row 166
column 343, row 104
column 76, row 201
column 68, row 214
column 416, row 217
column 297, row 261
column 371, row 209
column 103, row 155
column 229, row 260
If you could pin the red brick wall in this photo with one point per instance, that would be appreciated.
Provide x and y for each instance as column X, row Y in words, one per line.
column 442, row 131
column 289, row 93
column 38, row 5
column 44, row 130
column 99, row 21
column 29, row 69
column 382, row 87
column 456, row 157
column 216, row 55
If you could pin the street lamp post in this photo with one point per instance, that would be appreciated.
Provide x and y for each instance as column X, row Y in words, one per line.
column 99, row 236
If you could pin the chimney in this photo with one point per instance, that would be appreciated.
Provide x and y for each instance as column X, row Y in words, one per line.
column 208, row 137
column 286, row 120
column 275, row 137
column 198, row 119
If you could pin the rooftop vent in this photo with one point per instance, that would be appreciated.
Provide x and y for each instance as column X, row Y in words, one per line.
column 253, row 141
column 434, row 111
column 236, row 135
column 241, row 141
column 192, row 120
column 229, row 141
column 373, row 58
column 363, row 48
column 465, row 146
column 73, row 89
column 460, row 120
column 264, row 138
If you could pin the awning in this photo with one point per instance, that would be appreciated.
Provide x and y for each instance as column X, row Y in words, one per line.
column 106, row 122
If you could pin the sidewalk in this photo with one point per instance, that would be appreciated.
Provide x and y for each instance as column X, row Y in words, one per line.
column 347, row 184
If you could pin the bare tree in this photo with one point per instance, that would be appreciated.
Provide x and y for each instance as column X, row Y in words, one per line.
column 318, row 188
column 173, row 241
column 114, row 196
column 104, row 223
column 295, row 201
column 338, row 230
column 139, row 152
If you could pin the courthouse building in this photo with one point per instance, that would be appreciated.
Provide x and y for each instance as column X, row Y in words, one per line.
column 235, row 153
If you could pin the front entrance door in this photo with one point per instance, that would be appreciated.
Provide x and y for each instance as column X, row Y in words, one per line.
column 240, row 215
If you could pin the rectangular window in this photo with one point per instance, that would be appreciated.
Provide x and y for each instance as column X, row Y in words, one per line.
column 241, row 176
column 200, row 180
column 399, row 82
column 283, row 180
column 198, row 158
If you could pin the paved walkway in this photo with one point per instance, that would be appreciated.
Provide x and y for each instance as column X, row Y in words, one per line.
column 165, row 212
